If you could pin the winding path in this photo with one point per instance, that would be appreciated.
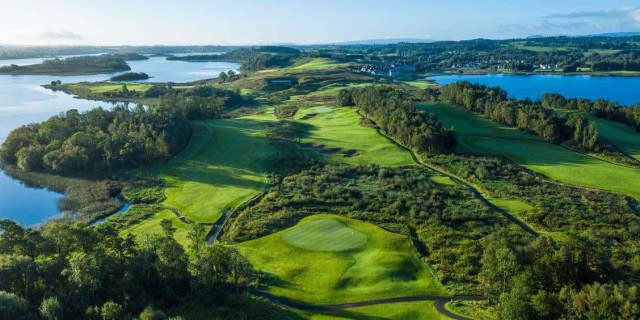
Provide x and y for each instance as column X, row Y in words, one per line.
column 440, row 301
column 217, row 227
column 471, row 188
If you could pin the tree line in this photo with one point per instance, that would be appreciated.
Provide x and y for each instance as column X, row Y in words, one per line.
column 100, row 140
column 72, row 271
column 527, row 115
column 394, row 112
column 73, row 65
column 601, row 108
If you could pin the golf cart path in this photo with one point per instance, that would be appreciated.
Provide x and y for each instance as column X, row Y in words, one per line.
column 471, row 188
column 440, row 302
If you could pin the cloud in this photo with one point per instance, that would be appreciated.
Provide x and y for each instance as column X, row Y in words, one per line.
column 628, row 16
column 63, row 34
column 547, row 25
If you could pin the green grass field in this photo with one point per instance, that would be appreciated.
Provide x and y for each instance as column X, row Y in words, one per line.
column 480, row 135
column 625, row 138
column 220, row 168
column 323, row 260
column 337, row 127
column 152, row 225
column 423, row 310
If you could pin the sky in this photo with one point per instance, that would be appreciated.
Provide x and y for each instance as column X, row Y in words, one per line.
column 247, row 22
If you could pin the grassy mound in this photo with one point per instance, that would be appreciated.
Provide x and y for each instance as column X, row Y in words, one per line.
column 325, row 235
column 326, row 271
column 219, row 169
column 339, row 128
column 480, row 135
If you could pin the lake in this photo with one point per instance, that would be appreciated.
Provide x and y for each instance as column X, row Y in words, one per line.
column 625, row 90
column 23, row 100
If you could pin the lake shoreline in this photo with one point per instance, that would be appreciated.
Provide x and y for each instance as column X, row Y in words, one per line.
column 559, row 73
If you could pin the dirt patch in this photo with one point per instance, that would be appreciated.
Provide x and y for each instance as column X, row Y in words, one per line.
column 309, row 116
column 351, row 153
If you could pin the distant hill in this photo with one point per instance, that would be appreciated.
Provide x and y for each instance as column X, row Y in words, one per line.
column 615, row 34
column 385, row 41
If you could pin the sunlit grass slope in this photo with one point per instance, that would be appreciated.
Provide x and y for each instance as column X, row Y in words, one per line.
column 220, row 168
column 480, row 135
column 339, row 128
column 328, row 259
column 152, row 225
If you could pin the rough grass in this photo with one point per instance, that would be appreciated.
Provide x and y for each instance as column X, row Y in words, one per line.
column 423, row 310
column 478, row 310
column 220, row 168
column 152, row 225
column 480, row 135
column 388, row 266
column 336, row 127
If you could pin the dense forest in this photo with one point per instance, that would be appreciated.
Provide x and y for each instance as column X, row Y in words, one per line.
column 395, row 114
column 72, row 66
column 129, row 76
column 72, row 271
column 100, row 140
column 526, row 114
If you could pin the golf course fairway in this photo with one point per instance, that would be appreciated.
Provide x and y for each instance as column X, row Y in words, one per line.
column 327, row 259
column 338, row 128
column 480, row 135
column 220, row 168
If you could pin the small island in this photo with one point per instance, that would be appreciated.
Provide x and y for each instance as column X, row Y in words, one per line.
column 85, row 65
column 130, row 76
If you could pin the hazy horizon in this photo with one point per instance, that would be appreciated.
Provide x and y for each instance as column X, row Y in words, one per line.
column 194, row 22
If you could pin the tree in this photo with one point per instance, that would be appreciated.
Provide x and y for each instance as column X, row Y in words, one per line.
column 167, row 228
column 197, row 235
column 149, row 313
column 111, row 311
column 222, row 77
column 499, row 266
column 51, row 309
column 13, row 307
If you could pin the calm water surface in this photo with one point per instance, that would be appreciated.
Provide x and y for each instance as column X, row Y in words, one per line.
column 625, row 90
column 24, row 101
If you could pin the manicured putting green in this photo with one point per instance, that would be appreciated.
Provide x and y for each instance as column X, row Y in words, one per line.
column 325, row 235
column 370, row 263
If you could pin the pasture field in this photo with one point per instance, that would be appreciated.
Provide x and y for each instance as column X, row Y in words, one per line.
column 327, row 259
column 338, row 129
column 152, row 225
column 479, row 135
column 220, row 168
column 422, row 310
